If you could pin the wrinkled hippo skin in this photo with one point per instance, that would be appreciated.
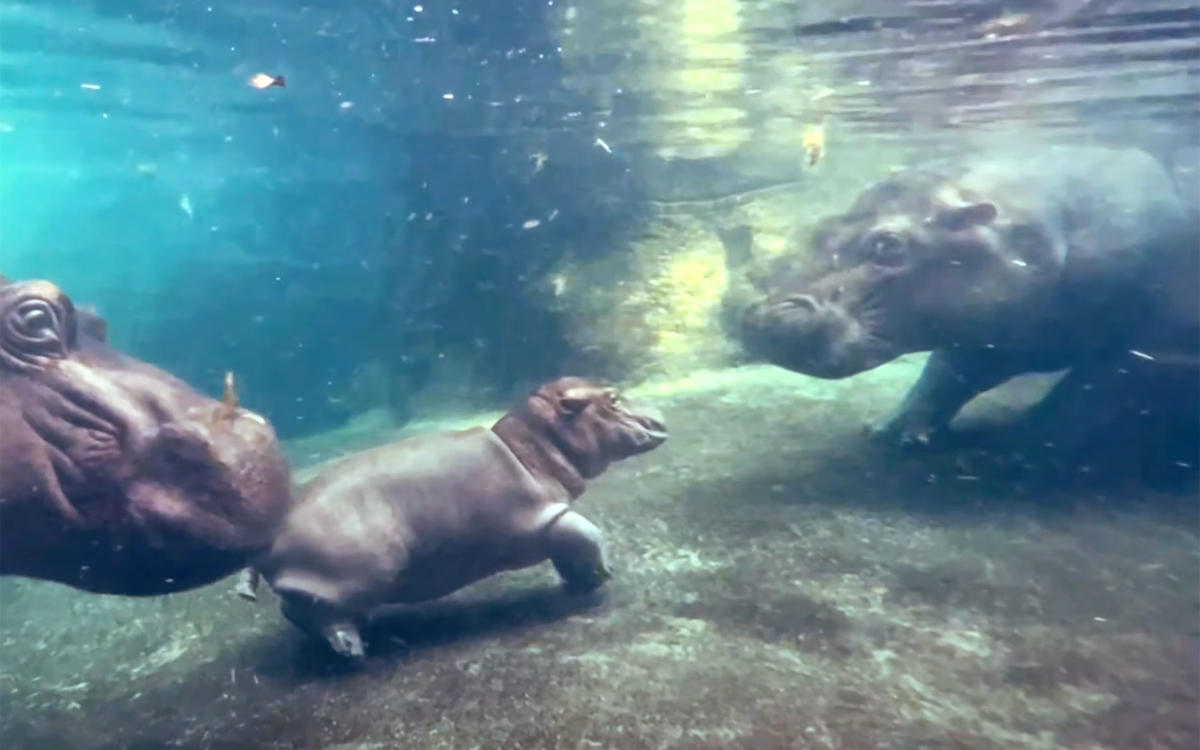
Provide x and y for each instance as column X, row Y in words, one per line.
column 418, row 519
column 1064, row 257
column 117, row 477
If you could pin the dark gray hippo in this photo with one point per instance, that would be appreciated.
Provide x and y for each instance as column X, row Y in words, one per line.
column 1062, row 257
column 116, row 477
column 420, row 518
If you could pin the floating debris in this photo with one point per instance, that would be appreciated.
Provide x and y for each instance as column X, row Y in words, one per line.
column 532, row 224
column 600, row 142
column 185, row 205
column 90, row 86
column 1006, row 25
column 1143, row 355
column 263, row 81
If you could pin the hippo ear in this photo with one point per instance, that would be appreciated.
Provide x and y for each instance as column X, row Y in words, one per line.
column 92, row 325
column 574, row 400
column 964, row 217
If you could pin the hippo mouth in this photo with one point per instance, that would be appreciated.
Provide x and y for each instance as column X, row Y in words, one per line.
column 646, row 427
column 821, row 339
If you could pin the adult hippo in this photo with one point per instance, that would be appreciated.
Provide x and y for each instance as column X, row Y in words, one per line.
column 420, row 518
column 116, row 477
column 1067, row 257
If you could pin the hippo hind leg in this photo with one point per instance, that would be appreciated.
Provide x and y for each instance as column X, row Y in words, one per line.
column 322, row 619
column 1123, row 410
column 576, row 548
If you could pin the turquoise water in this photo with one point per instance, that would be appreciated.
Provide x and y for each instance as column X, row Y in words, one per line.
column 450, row 203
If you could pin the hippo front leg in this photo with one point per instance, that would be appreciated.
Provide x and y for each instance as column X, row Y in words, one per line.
column 950, row 379
column 576, row 548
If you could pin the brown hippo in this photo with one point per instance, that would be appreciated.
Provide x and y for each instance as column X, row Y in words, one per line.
column 420, row 518
column 1079, row 258
column 116, row 477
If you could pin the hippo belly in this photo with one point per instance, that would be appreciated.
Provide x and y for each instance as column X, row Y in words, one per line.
column 410, row 522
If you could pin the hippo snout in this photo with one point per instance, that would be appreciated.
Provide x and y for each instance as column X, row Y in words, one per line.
column 810, row 335
column 653, row 429
column 784, row 329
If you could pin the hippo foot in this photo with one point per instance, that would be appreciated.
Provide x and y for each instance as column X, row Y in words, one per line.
column 345, row 640
column 906, row 434
column 583, row 580
column 321, row 619
column 577, row 552
column 247, row 585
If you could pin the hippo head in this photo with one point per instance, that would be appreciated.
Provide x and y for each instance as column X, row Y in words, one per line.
column 582, row 424
column 117, row 477
column 916, row 264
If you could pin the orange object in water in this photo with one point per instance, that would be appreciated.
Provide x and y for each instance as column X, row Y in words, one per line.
column 264, row 81
column 813, row 143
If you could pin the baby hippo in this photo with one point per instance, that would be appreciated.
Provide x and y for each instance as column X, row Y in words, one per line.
column 420, row 518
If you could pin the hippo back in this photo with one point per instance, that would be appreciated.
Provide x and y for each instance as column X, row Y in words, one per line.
column 1099, row 201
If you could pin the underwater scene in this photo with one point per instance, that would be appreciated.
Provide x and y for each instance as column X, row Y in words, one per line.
column 630, row 374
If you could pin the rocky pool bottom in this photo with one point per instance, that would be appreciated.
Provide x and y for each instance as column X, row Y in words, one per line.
column 779, row 583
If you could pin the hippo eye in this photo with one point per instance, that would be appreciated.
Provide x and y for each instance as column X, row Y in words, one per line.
column 35, row 320
column 887, row 249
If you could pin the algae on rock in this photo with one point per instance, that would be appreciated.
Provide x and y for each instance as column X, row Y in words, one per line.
column 649, row 310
